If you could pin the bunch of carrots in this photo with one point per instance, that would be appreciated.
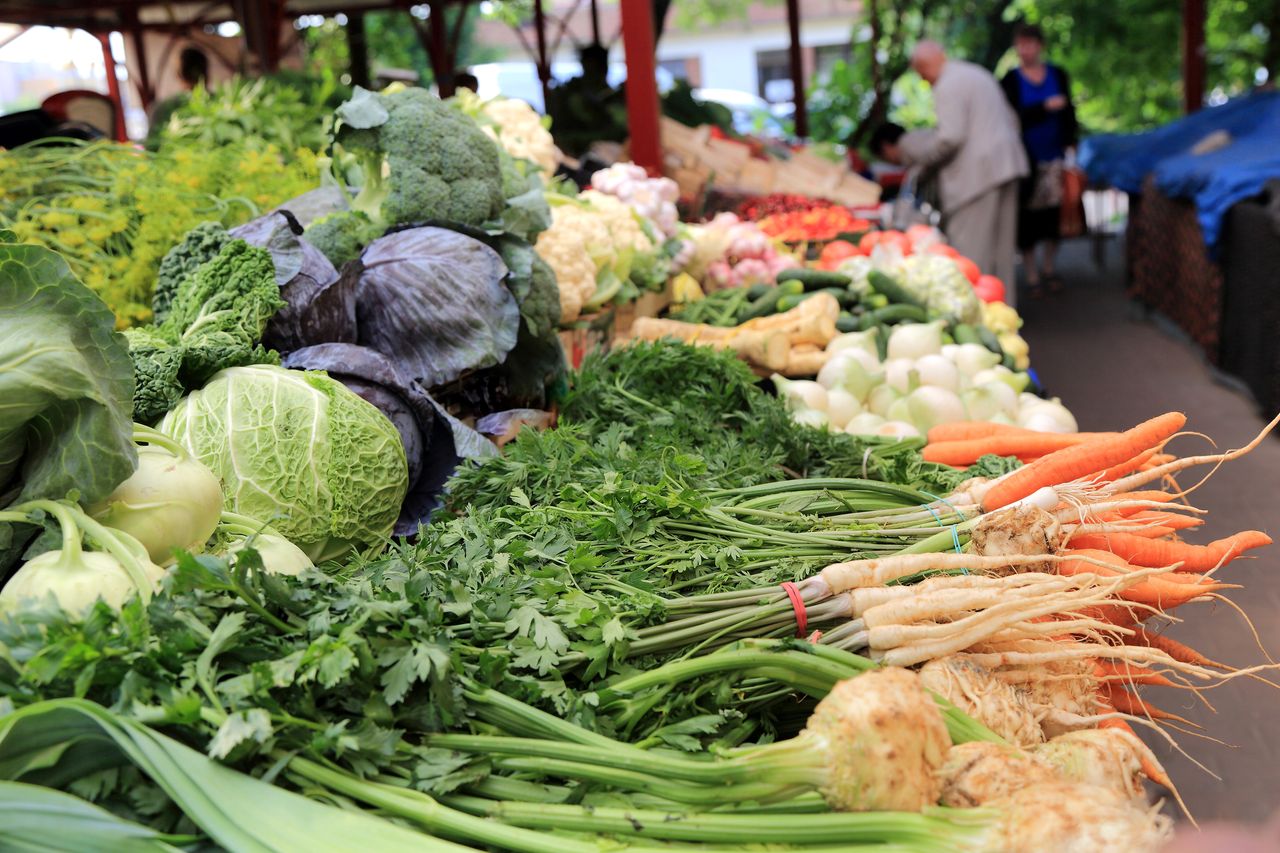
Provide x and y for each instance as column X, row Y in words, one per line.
column 1114, row 525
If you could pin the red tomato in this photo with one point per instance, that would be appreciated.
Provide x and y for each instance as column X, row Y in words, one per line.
column 836, row 251
column 969, row 268
column 875, row 238
column 943, row 249
column 989, row 288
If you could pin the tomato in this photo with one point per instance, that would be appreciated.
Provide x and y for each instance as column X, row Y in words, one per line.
column 943, row 249
column 877, row 238
column 989, row 288
column 969, row 268
column 835, row 252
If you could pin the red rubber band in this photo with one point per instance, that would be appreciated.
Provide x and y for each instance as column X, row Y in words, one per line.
column 797, row 604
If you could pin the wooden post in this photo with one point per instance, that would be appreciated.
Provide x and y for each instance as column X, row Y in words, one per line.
column 797, row 69
column 642, row 84
column 113, row 85
column 437, row 29
column 542, row 63
column 1193, row 16
column 358, row 49
column 146, row 92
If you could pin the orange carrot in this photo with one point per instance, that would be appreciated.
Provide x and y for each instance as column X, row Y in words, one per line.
column 1130, row 673
column 1082, row 460
column 1154, row 591
column 969, row 430
column 1153, row 553
column 1178, row 651
column 1149, row 769
column 1115, row 472
column 1152, row 532
column 1130, row 703
column 964, row 453
column 1176, row 520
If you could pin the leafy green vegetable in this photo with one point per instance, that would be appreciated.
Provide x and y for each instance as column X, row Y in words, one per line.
column 341, row 236
column 66, row 382
column 299, row 451
column 28, row 812
column 420, row 160
column 215, row 320
column 202, row 244
column 59, row 743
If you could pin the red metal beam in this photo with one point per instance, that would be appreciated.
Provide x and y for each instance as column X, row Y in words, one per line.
column 113, row 84
column 642, row 84
column 1193, row 16
column 797, row 68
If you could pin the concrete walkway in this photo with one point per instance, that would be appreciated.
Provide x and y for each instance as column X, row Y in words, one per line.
column 1114, row 368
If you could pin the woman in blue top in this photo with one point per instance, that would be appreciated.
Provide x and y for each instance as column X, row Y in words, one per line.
column 1041, row 95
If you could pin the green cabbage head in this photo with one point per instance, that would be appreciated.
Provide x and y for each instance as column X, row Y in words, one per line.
column 298, row 450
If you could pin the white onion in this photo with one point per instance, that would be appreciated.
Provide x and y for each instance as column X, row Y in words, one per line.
column 881, row 398
column 864, row 424
column 846, row 372
column 913, row 340
column 897, row 374
column 897, row 429
column 841, row 406
column 971, row 358
column 938, row 371
column 801, row 393
column 856, row 341
column 932, row 406
column 1047, row 416
column 811, row 418
column 899, row 411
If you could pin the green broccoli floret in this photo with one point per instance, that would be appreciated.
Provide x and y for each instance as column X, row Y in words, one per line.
column 341, row 236
column 438, row 163
column 525, row 212
column 202, row 243
column 216, row 320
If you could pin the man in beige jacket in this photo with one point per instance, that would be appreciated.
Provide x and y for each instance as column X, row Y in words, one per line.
column 978, row 153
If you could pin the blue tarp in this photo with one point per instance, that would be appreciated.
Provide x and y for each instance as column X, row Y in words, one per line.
column 1215, row 181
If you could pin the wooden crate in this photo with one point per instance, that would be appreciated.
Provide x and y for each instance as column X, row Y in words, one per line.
column 649, row 304
column 589, row 333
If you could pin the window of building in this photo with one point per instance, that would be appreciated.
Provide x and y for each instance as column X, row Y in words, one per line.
column 677, row 68
column 771, row 65
column 825, row 57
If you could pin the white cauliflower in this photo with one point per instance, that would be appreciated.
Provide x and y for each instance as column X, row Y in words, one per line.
column 519, row 130
column 943, row 287
column 589, row 235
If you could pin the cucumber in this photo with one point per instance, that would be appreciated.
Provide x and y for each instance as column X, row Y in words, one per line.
column 899, row 314
column 846, row 322
column 966, row 334
column 791, row 300
column 989, row 340
column 755, row 291
column 766, row 303
column 815, row 279
column 885, row 284
column 876, row 300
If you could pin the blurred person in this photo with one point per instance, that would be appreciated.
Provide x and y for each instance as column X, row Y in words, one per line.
column 978, row 153
column 586, row 109
column 193, row 71
column 1040, row 93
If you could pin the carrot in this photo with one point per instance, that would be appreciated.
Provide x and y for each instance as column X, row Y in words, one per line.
column 1131, row 673
column 1151, row 532
column 1130, row 703
column 1178, row 651
column 1152, row 496
column 969, row 430
column 1154, row 591
column 1153, row 553
column 1081, row 460
column 1115, row 472
column 1149, row 768
column 965, row 453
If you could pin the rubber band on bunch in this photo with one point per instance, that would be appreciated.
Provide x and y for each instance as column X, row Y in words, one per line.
column 797, row 604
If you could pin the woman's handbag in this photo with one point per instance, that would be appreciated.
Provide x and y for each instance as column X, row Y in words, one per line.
column 1072, row 222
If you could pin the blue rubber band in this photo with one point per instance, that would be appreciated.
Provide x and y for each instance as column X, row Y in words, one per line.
column 945, row 503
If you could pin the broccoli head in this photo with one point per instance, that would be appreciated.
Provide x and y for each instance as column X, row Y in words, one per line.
column 341, row 236
column 202, row 243
column 421, row 160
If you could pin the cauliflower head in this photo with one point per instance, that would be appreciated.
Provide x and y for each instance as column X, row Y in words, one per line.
column 519, row 130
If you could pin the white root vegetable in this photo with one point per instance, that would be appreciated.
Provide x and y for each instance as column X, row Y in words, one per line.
column 978, row 772
column 885, row 740
column 801, row 393
column 1065, row 817
column 1024, row 529
column 1108, row 758
column 980, row 694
